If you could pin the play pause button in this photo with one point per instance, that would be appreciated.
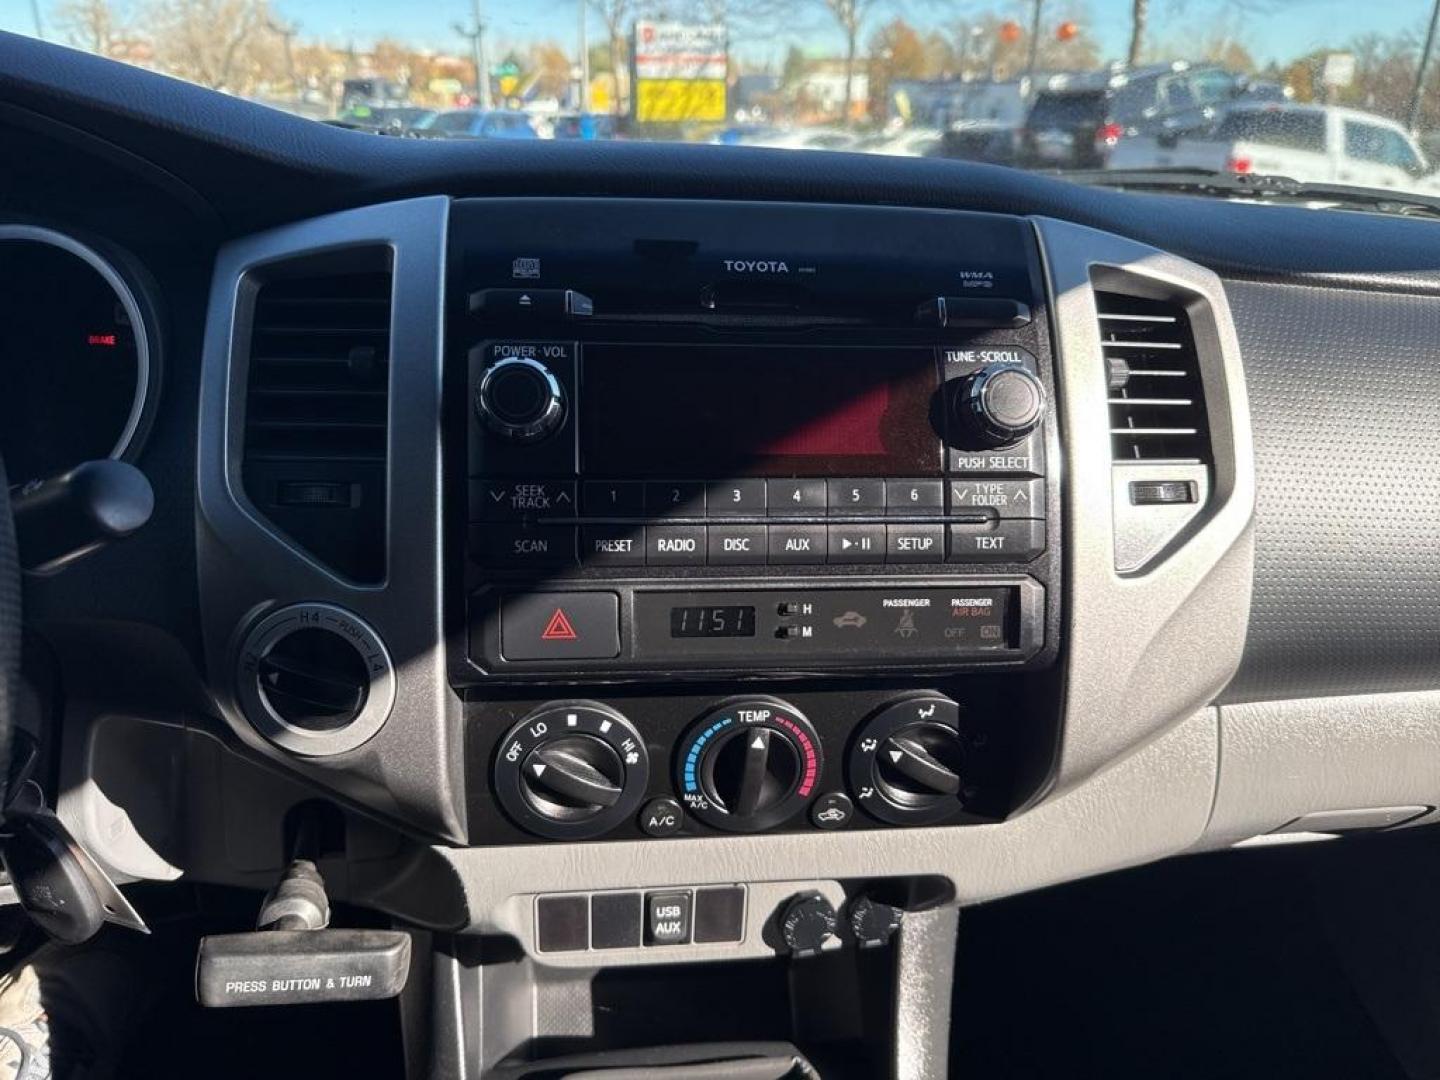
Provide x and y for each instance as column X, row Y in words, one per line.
column 856, row 543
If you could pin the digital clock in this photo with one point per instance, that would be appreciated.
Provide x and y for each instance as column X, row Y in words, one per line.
column 698, row 622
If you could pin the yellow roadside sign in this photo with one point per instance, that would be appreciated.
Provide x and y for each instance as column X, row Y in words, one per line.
column 662, row 101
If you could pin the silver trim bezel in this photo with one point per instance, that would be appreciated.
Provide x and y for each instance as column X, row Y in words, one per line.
column 143, row 380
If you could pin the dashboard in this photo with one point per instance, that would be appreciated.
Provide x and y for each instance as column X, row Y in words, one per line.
column 584, row 522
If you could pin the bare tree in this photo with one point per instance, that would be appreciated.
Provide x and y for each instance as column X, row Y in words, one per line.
column 618, row 15
column 90, row 24
column 851, row 15
column 1139, row 16
column 210, row 42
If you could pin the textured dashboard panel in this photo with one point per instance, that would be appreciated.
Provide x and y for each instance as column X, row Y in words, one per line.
column 1345, row 398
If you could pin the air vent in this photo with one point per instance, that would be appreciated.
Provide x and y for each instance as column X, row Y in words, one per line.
column 317, row 407
column 1157, row 399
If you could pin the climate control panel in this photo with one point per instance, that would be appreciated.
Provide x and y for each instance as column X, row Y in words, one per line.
column 696, row 764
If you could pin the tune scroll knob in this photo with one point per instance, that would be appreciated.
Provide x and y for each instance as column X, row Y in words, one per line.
column 748, row 765
column 520, row 399
column 1000, row 404
column 571, row 770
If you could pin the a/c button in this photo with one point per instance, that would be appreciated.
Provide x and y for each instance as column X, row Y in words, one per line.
column 560, row 626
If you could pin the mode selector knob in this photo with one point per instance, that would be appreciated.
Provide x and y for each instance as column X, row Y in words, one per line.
column 520, row 399
column 908, row 762
column 1000, row 405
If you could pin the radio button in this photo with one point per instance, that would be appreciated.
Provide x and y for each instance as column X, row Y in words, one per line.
column 861, row 498
column 1006, row 498
column 675, row 545
column 856, row 543
column 915, row 543
column 612, row 545
column 921, row 498
column 604, row 498
column 736, row 498
column 1010, row 541
column 797, row 544
column 515, row 500
column 520, row 545
column 675, row 498
column 736, row 545
column 797, row 498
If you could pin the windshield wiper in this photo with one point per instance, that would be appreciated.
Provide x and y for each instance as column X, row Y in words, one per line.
column 1260, row 186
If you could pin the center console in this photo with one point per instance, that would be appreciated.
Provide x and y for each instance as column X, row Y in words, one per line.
column 720, row 461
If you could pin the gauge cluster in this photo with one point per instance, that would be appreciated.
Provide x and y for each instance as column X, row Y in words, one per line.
column 77, row 360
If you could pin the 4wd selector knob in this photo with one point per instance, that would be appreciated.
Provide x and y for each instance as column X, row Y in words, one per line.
column 1000, row 404
column 571, row 770
column 749, row 764
column 520, row 398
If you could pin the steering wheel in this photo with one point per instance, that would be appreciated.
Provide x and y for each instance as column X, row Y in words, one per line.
column 9, row 634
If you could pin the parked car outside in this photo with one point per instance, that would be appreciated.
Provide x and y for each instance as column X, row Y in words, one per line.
column 1314, row 143
column 1078, row 123
column 482, row 124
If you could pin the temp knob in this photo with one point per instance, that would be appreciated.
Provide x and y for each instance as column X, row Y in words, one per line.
column 999, row 405
column 907, row 764
column 571, row 770
column 520, row 399
column 749, row 765
column 807, row 922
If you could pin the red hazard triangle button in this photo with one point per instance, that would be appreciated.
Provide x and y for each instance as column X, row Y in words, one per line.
column 559, row 628
column 553, row 626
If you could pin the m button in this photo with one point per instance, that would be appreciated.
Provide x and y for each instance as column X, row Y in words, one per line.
column 560, row 626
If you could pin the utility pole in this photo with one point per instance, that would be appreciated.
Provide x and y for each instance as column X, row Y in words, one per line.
column 35, row 14
column 476, row 34
column 1034, row 51
column 1418, row 95
column 581, row 9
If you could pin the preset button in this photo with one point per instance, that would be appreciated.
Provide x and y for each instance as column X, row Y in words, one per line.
column 736, row 498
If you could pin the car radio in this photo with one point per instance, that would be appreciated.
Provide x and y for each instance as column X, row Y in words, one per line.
column 681, row 461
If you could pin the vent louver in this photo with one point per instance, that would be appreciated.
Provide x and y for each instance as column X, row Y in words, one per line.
column 317, row 407
column 1157, row 398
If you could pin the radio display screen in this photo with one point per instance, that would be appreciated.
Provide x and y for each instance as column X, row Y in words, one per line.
column 711, row 412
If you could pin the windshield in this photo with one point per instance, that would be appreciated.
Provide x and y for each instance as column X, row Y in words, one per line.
column 1318, row 90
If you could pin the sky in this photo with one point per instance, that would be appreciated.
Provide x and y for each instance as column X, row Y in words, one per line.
column 1270, row 29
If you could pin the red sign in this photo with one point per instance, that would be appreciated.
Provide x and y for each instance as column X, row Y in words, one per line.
column 559, row 628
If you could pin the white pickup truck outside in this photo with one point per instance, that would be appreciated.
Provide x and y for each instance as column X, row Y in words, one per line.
column 1313, row 143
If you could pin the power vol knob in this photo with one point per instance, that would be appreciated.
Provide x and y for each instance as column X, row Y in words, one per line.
column 520, row 399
